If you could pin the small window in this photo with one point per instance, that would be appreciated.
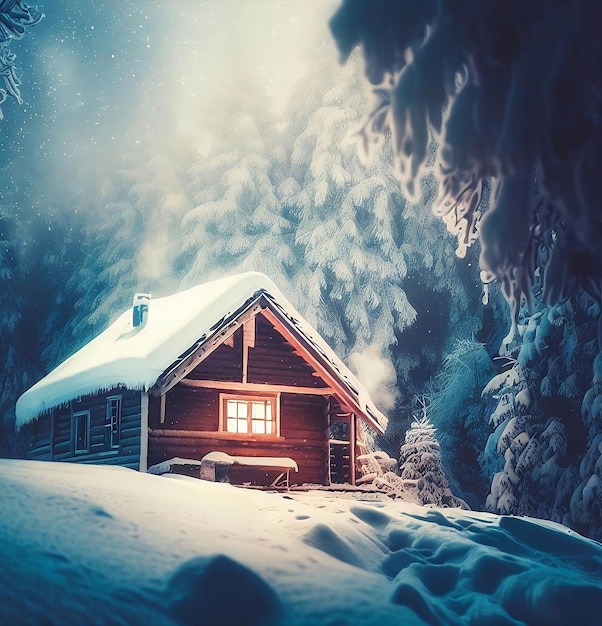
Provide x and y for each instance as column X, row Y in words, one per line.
column 252, row 415
column 113, row 421
column 81, row 431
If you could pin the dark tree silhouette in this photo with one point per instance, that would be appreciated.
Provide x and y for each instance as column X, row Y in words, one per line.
column 511, row 91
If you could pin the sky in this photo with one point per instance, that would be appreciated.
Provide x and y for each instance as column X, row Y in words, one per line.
column 97, row 77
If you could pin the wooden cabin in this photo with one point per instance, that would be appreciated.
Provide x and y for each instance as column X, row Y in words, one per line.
column 226, row 367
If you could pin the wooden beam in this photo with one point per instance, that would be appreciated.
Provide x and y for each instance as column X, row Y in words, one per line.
column 348, row 399
column 248, row 341
column 352, row 442
column 328, row 436
column 215, row 437
column 204, row 348
column 257, row 387
column 144, row 430
column 162, row 408
column 52, row 432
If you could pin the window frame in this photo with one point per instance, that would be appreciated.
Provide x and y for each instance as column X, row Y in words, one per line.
column 114, row 435
column 75, row 423
column 272, row 398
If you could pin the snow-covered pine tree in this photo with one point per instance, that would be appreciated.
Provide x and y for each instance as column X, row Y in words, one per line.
column 586, row 502
column 15, row 18
column 420, row 466
column 512, row 421
column 237, row 222
column 531, row 448
column 549, row 448
column 456, row 409
column 127, row 242
column 352, row 268
column 13, row 345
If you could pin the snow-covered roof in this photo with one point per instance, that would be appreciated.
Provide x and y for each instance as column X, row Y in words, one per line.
column 136, row 357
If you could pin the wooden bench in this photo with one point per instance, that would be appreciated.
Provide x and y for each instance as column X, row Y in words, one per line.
column 211, row 463
column 216, row 466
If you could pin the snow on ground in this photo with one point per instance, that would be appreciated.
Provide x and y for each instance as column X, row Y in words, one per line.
column 104, row 545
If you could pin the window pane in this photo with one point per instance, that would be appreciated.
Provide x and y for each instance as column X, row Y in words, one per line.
column 81, row 432
column 232, row 425
column 251, row 415
column 258, row 410
column 113, row 409
column 113, row 421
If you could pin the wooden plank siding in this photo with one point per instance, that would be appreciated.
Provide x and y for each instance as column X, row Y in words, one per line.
column 38, row 433
column 273, row 360
column 188, row 408
column 224, row 363
column 62, row 446
column 191, row 430
column 191, row 425
column 165, row 445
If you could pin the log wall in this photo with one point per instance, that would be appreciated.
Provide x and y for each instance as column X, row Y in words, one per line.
column 224, row 363
column 191, row 424
column 192, row 433
column 52, row 439
column 273, row 360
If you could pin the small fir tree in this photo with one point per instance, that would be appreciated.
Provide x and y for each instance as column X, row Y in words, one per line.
column 457, row 409
column 586, row 502
column 420, row 464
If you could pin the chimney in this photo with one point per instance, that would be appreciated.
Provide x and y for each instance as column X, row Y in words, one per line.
column 140, row 309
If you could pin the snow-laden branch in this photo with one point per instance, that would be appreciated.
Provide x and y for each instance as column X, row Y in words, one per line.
column 510, row 92
column 15, row 16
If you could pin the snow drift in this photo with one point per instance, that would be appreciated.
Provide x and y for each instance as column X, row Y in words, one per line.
column 92, row 545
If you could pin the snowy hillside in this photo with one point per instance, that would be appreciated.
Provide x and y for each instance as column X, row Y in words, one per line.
column 94, row 545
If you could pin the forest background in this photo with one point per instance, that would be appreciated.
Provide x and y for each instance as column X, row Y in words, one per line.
column 157, row 149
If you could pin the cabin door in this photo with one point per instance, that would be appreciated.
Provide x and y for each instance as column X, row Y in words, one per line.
column 341, row 445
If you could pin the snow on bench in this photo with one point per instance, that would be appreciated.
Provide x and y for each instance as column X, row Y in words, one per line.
column 166, row 467
column 282, row 464
column 277, row 462
column 208, row 463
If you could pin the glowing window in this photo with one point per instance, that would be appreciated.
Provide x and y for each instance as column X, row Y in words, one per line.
column 249, row 414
